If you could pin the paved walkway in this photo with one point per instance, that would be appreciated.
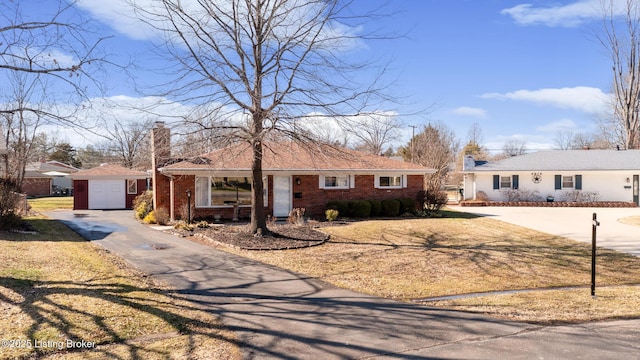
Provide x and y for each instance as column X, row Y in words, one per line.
column 282, row 315
column 572, row 223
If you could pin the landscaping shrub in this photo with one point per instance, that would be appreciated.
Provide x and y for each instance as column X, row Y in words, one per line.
column 296, row 216
column 407, row 205
column 331, row 214
column 376, row 207
column 150, row 218
column 360, row 208
column 390, row 207
column 183, row 225
column 162, row 216
column 341, row 206
column 432, row 201
column 202, row 224
column 142, row 205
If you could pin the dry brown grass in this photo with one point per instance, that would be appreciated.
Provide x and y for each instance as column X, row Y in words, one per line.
column 420, row 258
column 56, row 287
column 631, row 220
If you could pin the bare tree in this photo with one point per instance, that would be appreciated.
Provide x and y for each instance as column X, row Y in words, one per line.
column 571, row 140
column 372, row 132
column 47, row 61
column 622, row 39
column 435, row 147
column 129, row 140
column 261, row 67
column 514, row 147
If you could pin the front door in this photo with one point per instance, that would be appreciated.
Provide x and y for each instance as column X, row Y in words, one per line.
column 636, row 180
column 281, row 196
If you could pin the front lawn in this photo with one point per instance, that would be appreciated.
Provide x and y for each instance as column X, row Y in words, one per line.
column 412, row 259
column 51, row 203
column 65, row 298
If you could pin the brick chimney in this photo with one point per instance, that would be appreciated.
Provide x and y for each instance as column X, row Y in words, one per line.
column 160, row 155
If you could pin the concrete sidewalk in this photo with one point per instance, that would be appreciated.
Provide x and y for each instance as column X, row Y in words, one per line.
column 282, row 315
column 572, row 223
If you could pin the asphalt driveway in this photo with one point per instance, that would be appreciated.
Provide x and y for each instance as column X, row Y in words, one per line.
column 572, row 223
column 278, row 314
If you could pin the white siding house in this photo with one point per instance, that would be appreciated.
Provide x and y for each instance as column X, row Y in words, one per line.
column 565, row 175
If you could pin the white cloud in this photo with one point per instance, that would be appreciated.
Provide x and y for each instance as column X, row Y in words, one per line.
column 119, row 15
column 556, row 126
column 470, row 111
column 568, row 15
column 126, row 19
column 586, row 99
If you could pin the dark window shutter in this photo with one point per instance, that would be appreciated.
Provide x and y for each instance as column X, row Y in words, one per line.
column 496, row 182
column 578, row 182
column 558, row 182
column 515, row 182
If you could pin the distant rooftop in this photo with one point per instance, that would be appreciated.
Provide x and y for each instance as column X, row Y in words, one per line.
column 570, row 160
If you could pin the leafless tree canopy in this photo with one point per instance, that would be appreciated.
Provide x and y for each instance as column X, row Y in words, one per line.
column 47, row 65
column 257, row 67
column 514, row 147
column 622, row 39
column 435, row 147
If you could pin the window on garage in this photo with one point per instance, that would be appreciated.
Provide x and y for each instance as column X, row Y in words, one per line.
column 132, row 186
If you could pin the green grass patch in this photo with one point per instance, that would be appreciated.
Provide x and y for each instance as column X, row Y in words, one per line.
column 51, row 203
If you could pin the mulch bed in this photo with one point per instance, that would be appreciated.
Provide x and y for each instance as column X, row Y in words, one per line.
column 281, row 236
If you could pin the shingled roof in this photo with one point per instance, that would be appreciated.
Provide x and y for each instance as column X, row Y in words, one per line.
column 293, row 157
column 109, row 171
column 567, row 160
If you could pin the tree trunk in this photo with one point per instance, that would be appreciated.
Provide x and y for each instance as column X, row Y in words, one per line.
column 258, row 218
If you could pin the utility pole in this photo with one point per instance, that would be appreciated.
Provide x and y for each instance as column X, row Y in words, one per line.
column 413, row 135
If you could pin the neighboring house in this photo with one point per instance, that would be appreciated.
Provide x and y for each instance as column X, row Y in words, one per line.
column 107, row 187
column 564, row 175
column 46, row 178
column 219, row 183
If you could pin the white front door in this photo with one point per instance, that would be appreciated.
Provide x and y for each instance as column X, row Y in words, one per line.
column 281, row 195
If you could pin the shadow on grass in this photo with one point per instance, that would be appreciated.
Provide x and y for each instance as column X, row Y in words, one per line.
column 96, row 312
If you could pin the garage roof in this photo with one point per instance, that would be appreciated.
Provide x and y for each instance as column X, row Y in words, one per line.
column 109, row 171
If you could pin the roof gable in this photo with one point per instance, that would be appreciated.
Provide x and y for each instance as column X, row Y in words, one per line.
column 109, row 171
column 567, row 160
column 291, row 156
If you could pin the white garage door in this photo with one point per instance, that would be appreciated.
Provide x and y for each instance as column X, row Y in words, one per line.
column 107, row 194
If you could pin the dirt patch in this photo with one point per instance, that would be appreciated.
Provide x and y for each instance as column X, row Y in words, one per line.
column 281, row 236
column 631, row 220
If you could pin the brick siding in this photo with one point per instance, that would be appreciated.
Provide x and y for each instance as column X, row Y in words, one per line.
column 36, row 186
column 309, row 196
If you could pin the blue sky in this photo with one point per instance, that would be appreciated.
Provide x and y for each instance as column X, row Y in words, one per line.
column 519, row 71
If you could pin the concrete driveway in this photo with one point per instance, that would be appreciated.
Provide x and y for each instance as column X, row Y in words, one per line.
column 572, row 223
column 278, row 314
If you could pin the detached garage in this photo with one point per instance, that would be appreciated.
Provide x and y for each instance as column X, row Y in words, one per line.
column 107, row 187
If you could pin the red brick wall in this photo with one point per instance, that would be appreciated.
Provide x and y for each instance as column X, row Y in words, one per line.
column 161, row 191
column 36, row 186
column 313, row 199
column 142, row 187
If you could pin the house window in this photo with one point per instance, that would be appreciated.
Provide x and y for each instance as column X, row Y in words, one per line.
column 389, row 182
column 336, row 182
column 567, row 182
column 224, row 191
column 505, row 182
column 132, row 186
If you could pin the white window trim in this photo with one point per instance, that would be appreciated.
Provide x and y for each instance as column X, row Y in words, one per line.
column 322, row 183
column 573, row 182
column 135, row 184
column 403, row 181
column 510, row 182
column 265, row 181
